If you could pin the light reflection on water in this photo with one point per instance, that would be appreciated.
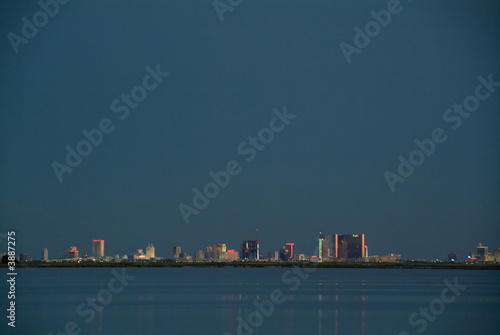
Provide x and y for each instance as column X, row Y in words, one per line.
column 210, row 301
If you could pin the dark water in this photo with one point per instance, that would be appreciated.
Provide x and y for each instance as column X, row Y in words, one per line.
column 218, row 300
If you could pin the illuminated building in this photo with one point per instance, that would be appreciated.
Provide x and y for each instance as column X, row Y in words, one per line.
column 73, row 253
column 231, row 255
column 45, row 255
column 139, row 255
column 496, row 255
column 286, row 253
column 289, row 250
column 349, row 246
column 150, row 251
column 220, row 247
column 323, row 252
column 250, row 250
column 176, row 252
column 98, row 248
column 482, row 253
column 23, row 257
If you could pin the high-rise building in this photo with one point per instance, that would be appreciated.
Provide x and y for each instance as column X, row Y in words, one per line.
column 150, row 251
column 23, row 257
column 482, row 253
column 496, row 255
column 286, row 253
column 349, row 246
column 98, row 249
column 199, row 255
column 220, row 247
column 250, row 249
column 176, row 252
column 45, row 255
column 73, row 253
column 289, row 250
column 323, row 251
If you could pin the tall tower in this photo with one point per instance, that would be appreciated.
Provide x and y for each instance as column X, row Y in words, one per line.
column 98, row 248
column 45, row 255
column 289, row 250
column 323, row 252
column 176, row 251
column 150, row 251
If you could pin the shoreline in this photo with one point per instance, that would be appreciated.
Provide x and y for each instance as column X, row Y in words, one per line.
column 415, row 265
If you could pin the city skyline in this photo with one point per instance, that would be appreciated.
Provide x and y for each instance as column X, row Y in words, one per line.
column 339, row 251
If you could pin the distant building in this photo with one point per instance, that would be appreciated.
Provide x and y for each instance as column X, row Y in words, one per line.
column 220, row 247
column 199, row 255
column 150, row 251
column 286, row 253
column 176, row 252
column 349, row 246
column 250, row 250
column 185, row 257
column 73, row 253
column 289, row 250
column 390, row 258
column 23, row 257
column 323, row 252
column 273, row 255
column 231, row 255
column 482, row 253
column 98, row 249
column 214, row 254
column 45, row 255
column 139, row 255
column 495, row 256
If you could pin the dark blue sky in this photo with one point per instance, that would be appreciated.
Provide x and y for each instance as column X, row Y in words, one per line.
column 323, row 171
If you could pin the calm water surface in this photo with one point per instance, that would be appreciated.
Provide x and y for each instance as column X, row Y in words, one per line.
column 221, row 300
